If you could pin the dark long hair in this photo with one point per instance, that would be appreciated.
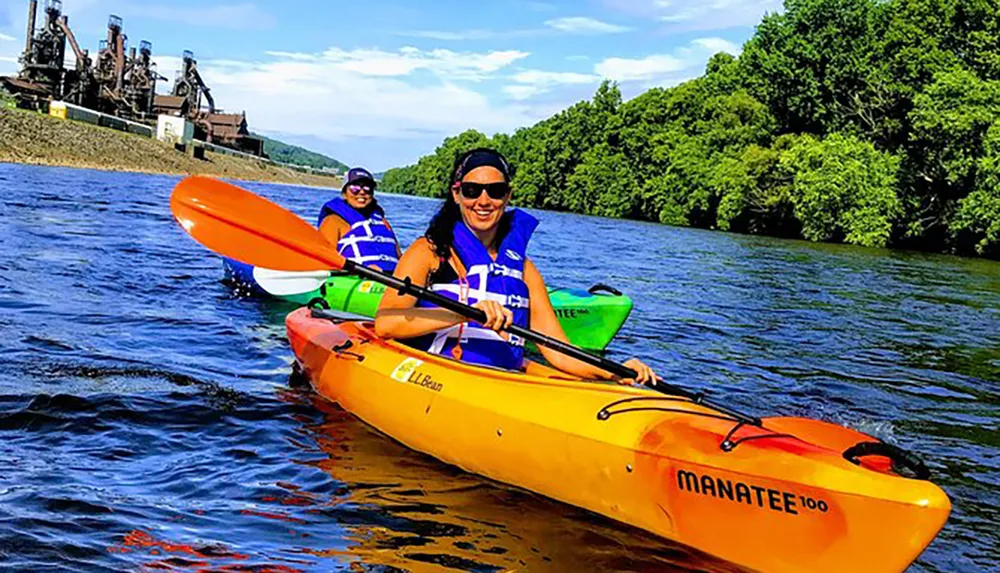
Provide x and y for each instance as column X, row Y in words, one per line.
column 440, row 232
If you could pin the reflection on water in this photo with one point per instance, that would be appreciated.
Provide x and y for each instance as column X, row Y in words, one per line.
column 431, row 513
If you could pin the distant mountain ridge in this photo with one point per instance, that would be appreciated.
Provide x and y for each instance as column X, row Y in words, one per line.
column 288, row 153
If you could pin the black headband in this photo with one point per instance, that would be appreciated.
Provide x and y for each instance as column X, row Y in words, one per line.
column 481, row 157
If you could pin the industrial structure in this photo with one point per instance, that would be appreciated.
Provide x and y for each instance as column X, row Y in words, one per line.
column 120, row 81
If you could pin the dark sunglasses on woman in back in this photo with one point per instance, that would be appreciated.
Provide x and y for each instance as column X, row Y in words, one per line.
column 496, row 191
column 357, row 189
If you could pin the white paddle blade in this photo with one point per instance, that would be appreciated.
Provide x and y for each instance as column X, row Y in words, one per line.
column 286, row 283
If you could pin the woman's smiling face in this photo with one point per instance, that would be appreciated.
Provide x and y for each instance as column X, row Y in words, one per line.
column 482, row 213
column 359, row 195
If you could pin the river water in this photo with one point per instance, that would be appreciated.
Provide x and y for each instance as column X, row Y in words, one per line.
column 148, row 420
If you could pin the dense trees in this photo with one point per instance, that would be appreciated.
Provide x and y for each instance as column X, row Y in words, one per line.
column 873, row 122
column 287, row 153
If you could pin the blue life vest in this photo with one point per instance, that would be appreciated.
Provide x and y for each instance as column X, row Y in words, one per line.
column 501, row 280
column 369, row 241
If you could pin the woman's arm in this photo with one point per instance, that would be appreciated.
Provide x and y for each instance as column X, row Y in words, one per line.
column 544, row 320
column 397, row 316
column 333, row 228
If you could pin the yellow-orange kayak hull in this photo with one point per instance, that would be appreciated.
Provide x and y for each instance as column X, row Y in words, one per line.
column 781, row 497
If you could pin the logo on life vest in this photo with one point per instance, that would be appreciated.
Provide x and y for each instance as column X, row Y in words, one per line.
column 405, row 368
column 366, row 287
column 513, row 256
column 517, row 301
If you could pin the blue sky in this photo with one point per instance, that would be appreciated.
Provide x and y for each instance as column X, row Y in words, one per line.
column 382, row 82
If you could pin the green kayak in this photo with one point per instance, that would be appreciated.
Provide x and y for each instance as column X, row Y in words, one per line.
column 590, row 318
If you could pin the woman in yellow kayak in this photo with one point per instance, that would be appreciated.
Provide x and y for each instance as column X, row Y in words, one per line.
column 474, row 252
column 357, row 225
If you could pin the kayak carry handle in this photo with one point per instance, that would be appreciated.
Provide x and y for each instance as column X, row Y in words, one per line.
column 899, row 457
column 601, row 287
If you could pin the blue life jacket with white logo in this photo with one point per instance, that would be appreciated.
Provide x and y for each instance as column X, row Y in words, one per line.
column 501, row 280
column 369, row 241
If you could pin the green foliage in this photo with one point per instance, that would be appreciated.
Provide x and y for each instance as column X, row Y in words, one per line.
column 602, row 184
column 7, row 99
column 401, row 180
column 431, row 175
column 872, row 122
column 808, row 63
column 287, row 153
column 978, row 217
column 950, row 118
column 755, row 193
column 843, row 188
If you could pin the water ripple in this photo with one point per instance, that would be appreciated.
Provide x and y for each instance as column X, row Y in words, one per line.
column 148, row 421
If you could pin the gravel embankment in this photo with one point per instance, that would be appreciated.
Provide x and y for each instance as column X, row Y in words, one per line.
column 33, row 138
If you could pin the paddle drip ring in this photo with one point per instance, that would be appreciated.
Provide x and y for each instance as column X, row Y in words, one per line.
column 900, row 458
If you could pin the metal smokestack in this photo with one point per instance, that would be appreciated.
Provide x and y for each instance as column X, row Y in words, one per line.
column 32, row 10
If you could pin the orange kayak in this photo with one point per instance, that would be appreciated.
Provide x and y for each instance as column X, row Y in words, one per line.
column 780, row 497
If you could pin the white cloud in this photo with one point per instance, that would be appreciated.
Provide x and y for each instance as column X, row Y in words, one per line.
column 666, row 69
column 530, row 83
column 584, row 25
column 539, row 77
column 570, row 25
column 242, row 16
column 716, row 45
column 339, row 95
column 698, row 14
column 522, row 92
column 294, row 56
column 446, row 64
column 11, row 60
column 6, row 38
column 626, row 69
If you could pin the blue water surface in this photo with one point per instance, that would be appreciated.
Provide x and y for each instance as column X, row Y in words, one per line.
column 149, row 422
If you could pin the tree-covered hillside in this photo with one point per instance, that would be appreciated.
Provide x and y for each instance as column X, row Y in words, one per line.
column 873, row 122
column 287, row 153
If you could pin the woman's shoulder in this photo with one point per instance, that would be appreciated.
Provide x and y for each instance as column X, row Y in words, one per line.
column 422, row 248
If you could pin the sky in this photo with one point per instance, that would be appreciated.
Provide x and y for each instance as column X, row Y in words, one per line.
column 380, row 83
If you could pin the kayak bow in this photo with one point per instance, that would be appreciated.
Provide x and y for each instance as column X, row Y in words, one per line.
column 779, row 497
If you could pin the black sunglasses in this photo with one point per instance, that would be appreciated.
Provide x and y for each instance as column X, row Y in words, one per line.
column 357, row 189
column 496, row 191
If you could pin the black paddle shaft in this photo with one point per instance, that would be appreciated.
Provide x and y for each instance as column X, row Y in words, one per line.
column 406, row 287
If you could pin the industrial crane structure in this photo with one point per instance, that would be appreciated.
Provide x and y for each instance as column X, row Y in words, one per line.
column 120, row 81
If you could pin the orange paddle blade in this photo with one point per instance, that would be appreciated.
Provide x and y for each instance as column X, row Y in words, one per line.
column 247, row 227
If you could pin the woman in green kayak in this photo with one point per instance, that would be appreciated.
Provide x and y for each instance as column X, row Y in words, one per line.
column 474, row 252
column 357, row 225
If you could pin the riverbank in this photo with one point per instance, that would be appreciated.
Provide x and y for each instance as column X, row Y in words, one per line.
column 37, row 139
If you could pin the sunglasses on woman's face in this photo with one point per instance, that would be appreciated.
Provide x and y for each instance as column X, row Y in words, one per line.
column 496, row 191
column 357, row 189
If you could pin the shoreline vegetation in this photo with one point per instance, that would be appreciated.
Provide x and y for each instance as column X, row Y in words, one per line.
column 32, row 138
column 869, row 122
